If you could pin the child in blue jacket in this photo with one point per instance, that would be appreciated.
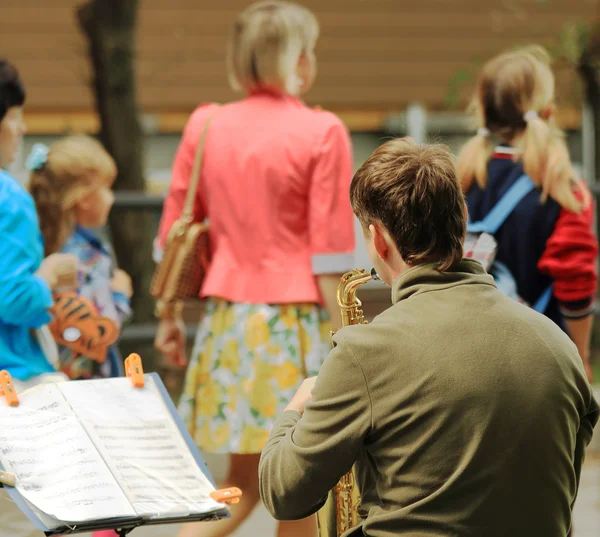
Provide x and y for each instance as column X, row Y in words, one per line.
column 26, row 278
column 27, row 350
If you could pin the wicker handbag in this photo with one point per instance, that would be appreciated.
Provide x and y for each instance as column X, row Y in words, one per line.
column 186, row 256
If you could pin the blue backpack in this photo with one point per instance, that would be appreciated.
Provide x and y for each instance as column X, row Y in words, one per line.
column 481, row 244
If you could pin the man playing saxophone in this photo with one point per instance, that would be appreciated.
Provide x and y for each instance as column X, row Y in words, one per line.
column 465, row 413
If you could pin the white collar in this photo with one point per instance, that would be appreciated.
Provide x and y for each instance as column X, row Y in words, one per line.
column 504, row 150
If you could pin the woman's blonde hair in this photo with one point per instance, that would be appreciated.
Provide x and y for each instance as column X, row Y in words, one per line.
column 513, row 99
column 268, row 39
column 74, row 166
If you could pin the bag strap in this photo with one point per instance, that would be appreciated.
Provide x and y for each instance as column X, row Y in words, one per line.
column 188, row 209
column 501, row 211
column 541, row 303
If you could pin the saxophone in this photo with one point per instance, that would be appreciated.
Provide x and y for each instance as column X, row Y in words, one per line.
column 340, row 512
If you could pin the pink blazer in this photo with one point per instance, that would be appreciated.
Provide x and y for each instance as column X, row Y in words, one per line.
column 275, row 188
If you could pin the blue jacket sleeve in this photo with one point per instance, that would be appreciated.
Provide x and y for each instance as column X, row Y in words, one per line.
column 24, row 298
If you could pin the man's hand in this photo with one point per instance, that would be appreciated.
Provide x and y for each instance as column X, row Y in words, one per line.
column 170, row 340
column 60, row 271
column 303, row 395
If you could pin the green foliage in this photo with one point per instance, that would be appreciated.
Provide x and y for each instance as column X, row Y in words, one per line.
column 573, row 40
column 459, row 79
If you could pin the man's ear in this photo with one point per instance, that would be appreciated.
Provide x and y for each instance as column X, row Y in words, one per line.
column 379, row 241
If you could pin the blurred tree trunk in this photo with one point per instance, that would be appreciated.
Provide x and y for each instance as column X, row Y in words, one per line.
column 587, row 67
column 109, row 26
column 589, row 74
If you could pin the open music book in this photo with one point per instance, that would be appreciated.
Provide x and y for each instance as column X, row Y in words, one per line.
column 102, row 454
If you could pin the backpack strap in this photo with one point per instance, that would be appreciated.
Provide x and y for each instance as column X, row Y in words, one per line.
column 501, row 211
column 542, row 303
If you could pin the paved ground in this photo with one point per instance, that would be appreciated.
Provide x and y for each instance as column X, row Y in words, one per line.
column 587, row 508
column 586, row 523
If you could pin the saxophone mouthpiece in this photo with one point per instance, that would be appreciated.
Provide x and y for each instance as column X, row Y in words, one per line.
column 374, row 274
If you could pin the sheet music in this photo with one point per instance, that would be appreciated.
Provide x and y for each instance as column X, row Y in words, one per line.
column 58, row 468
column 135, row 433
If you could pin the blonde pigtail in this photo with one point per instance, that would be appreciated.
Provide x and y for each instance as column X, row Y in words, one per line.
column 535, row 143
column 560, row 182
column 472, row 160
column 546, row 160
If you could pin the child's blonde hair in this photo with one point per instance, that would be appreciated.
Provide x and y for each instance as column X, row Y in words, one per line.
column 72, row 168
column 513, row 99
column 268, row 40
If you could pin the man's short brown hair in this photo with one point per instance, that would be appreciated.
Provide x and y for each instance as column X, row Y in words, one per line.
column 414, row 192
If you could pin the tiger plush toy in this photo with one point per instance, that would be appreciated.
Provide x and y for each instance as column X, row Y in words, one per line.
column 76, row 325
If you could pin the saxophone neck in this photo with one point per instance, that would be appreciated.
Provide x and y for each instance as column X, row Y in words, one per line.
column 349, row 304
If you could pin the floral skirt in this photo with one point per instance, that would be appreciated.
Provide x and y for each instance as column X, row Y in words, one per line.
column 247, row 364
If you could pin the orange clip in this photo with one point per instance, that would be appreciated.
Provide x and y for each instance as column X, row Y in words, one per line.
column 229, row 496
column 133, row 369
column 7, row 388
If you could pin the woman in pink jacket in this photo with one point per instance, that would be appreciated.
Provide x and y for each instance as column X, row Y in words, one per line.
column 274, row 184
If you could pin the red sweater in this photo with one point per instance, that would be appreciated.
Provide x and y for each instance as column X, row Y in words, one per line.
column 570, row 258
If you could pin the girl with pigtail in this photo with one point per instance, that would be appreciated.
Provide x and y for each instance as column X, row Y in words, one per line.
column 548, row 239
column 71, row 185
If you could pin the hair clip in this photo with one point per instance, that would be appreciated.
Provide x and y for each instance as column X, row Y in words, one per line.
column 38, row 157
column 532, row 114
column 484, row 132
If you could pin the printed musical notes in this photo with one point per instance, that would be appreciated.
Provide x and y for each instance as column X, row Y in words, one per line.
column 57, row 467
column 136, row 435
column 89, row 452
